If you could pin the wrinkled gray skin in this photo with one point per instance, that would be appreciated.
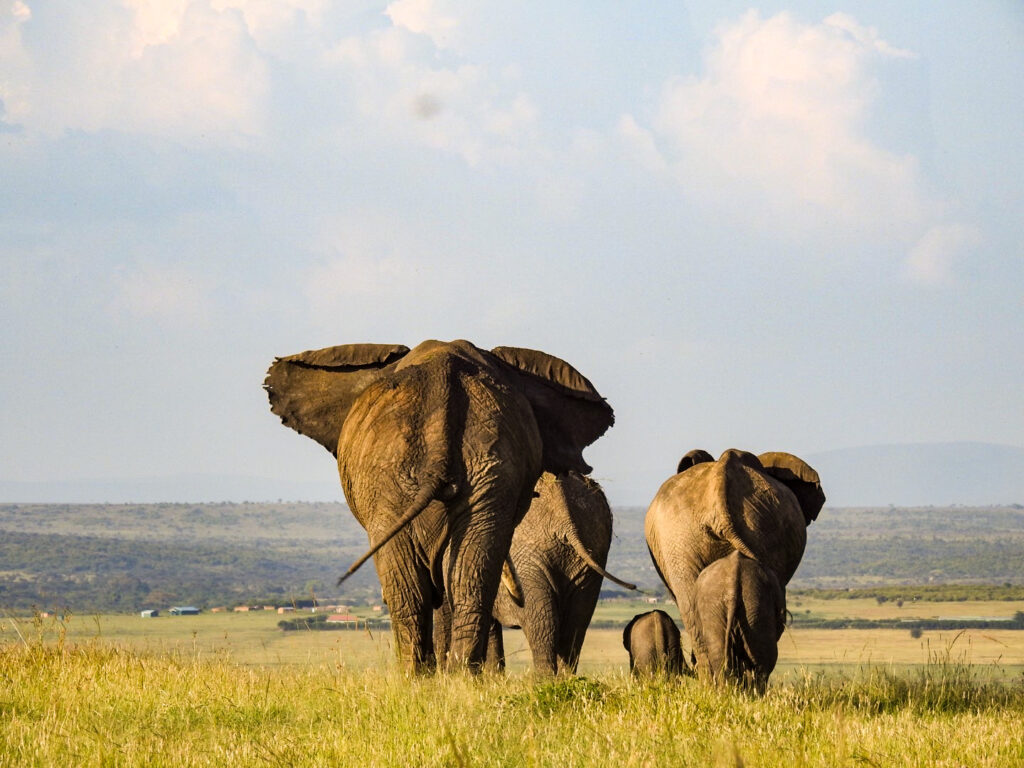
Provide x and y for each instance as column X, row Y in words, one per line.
column 652, row 640
column 759, row 506
column 438, row 450
column 740, row 613
column 558, row 553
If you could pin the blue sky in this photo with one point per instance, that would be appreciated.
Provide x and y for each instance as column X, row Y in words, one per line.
column 791, row 226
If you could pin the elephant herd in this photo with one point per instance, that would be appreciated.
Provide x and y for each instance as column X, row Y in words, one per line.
column 465, row 467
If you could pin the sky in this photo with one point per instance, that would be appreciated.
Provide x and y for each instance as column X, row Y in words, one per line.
column 791, row 226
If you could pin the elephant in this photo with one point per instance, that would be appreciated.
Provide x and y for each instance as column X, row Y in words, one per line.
column 653, row 642
column 558, row 555
column 759, row 506
column 438, row 450
column 740, row 613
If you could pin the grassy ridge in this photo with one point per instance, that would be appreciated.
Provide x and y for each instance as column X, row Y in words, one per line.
column 127, row 557
column 97, row 705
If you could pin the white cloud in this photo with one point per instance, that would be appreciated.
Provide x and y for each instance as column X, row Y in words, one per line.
column 201, row 70
column 426, row 17
column 158, row 22
column 14, row 94
column 772, row 130
column 177, row 68
column 402, row 87
column 166, row 294
column 932, row 259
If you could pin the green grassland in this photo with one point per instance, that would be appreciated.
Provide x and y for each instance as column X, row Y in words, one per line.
column 232, row 689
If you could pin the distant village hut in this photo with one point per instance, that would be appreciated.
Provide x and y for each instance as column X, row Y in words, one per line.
column 184, row 610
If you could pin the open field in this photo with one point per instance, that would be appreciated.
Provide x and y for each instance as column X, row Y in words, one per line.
column 99, row 705
column 253, row 639
column 233, row 689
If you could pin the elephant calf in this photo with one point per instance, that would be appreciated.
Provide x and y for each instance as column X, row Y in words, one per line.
column 558, row 552
column 740, row 613
column 653, row 642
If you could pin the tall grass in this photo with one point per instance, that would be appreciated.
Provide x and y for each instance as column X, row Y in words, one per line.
column 97, row 704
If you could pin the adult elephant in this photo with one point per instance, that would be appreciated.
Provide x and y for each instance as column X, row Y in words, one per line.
column 739, row 616
column 558, row 554
column 438, row 451
column 759, row 506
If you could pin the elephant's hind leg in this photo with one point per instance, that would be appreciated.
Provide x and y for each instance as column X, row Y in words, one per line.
column 495, row 661
column 573, row 625
column 408, row 592
column 540, row 626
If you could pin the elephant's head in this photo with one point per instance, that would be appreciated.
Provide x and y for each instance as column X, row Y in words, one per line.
column 799, row 477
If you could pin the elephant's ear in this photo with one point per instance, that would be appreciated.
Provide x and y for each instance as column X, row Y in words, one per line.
column 696, row 456
column 313, row 391
column 797, row 475
column 570, row 412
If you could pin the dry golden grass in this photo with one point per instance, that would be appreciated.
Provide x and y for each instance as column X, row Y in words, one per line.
column 95, row 704
column 216, row 690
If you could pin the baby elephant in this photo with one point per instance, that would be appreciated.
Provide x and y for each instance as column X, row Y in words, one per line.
column 740, row 612
column 652, row 640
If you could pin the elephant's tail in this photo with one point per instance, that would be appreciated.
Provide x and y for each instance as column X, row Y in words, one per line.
column 586, row 557
column 738, row 632
column 437, row 490
column 510, row 580
column 438, row 483
column 729, row 471
column 734, row 642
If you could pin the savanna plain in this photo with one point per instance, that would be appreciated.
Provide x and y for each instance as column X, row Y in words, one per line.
column 93, row 687
column 233, row 689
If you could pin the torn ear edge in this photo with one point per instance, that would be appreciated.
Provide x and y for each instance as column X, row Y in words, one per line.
column 313, row 391
column 799, row 477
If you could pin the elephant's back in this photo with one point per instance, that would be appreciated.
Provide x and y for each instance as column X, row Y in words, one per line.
column 714, row 508
column 679, row 506
column 758, row 514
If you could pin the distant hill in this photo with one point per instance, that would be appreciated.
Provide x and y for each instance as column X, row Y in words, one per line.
column 125, row 557
column 938, row 474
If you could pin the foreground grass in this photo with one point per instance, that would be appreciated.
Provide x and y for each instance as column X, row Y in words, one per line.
column 97, row 704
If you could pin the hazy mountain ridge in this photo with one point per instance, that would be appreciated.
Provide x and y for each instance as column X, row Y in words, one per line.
column 939, row 474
